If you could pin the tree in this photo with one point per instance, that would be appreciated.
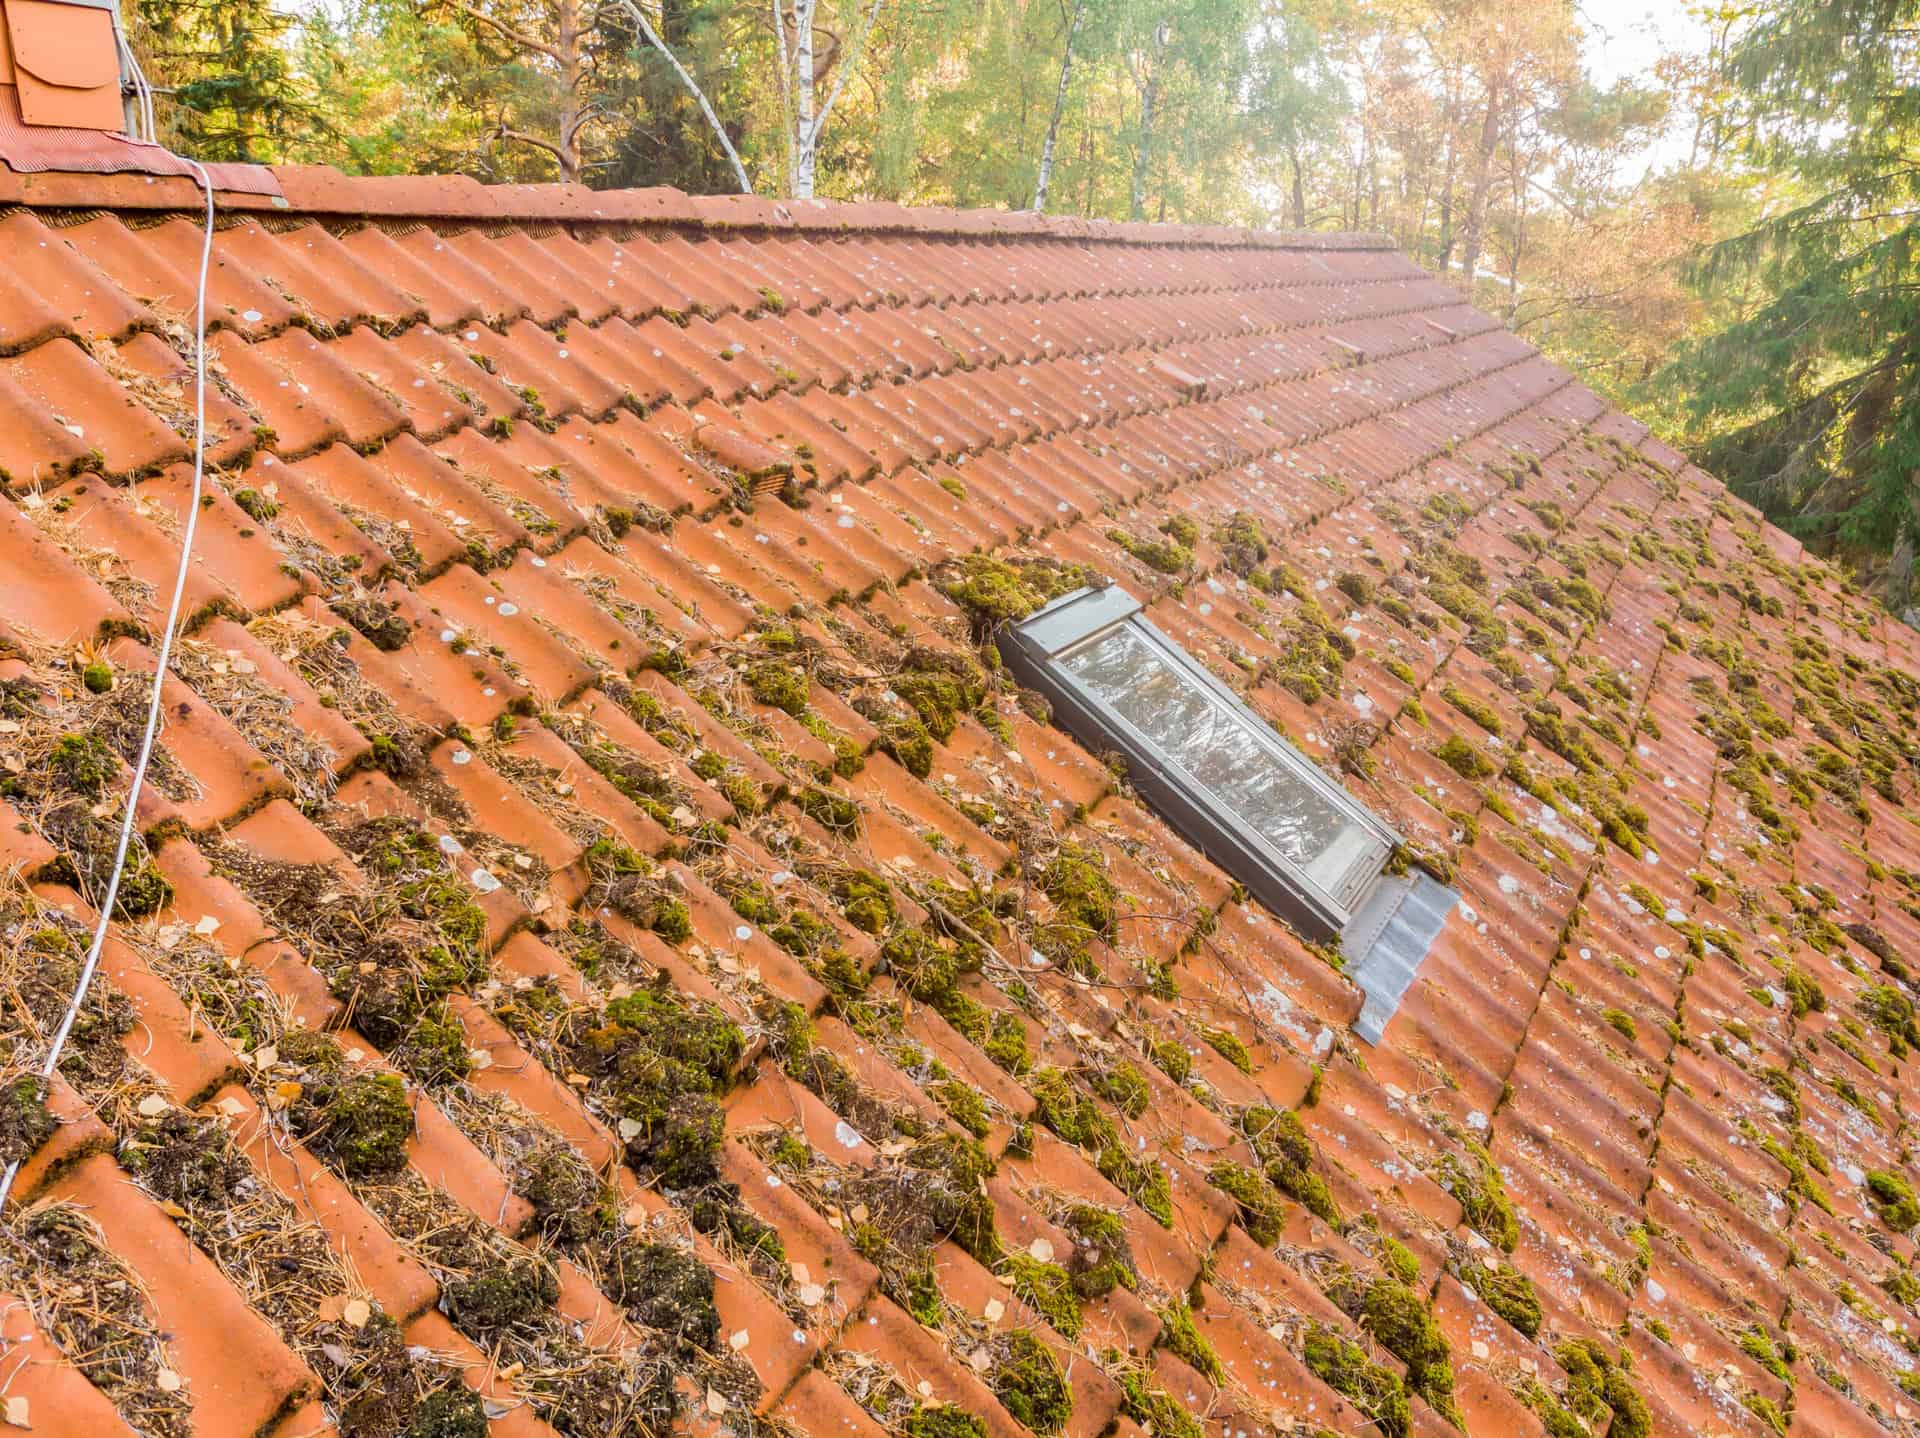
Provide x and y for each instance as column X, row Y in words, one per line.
column 1809, row 393
column 226, row 88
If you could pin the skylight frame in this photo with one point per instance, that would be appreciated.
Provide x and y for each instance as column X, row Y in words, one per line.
column 1038, row 650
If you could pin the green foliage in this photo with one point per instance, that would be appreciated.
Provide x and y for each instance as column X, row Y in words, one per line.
column 1806, row 395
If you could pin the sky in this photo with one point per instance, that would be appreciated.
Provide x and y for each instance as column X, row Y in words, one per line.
column 1624, row 38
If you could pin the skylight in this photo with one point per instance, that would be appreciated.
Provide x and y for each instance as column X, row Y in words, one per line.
column 1220, row 773
column 1242, row 795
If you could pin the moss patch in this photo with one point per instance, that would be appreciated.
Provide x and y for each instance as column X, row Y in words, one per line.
column 1373, row 1388
column 360, row 1124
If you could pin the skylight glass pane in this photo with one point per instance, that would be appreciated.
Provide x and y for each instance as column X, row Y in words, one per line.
column 1222, row 751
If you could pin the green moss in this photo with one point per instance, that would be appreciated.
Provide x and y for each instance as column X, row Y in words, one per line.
column 1261, row 1212
column 1168, row 556
column 1478, row 711
column 1031, row 1385
column 1893, row 1199
column 996, row 591
column 98, row 677
column 360, row 1124
column 499, row 1300
column 1373, row 1388
column 964, row 1106
column 910, row 745
column 1006, row 1043
column 455, row 1411
column 1242, row 543
column 942, row 1420
column 665, row 1287
column 1230, row 1047
column 256, row 505
column 1400, row 1261
column 1281, row 1141
column 1483, row 1199
column 1355, row 586
column 832, row 811
column 25, row 1122
column 1622, row 1021
column 1048, row 1289
column 785, row 688
column 1183, row 1339
column 1123, row 1086
column 1508, row 1292
column 1465, row 760
column 1757, row 1345
column 1403, row 1324
column 1085, row 905
column 1599, row 1390
column 83, row 764
column 1151, row 1406
column 1172, row 1059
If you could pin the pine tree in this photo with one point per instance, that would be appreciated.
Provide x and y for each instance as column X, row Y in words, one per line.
column 1812, row 389
column 226, row 89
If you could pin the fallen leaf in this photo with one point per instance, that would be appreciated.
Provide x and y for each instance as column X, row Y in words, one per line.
column 716, row 1401
column 207, row 925
column 811, row 1295
column 1041, row 1250
column 994, row 1311
column 168, row 1381
column 153, row 1105
column 739, row 1340
column 16, row 1411
column 356, row 1313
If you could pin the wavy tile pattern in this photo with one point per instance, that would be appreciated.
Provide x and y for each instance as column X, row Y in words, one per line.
column 574, row 609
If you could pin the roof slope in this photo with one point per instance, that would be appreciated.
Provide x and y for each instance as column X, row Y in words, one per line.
column 571, row 616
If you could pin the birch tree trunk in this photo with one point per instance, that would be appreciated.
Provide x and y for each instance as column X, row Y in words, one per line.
column 1149, row 99
column 1059, row 109
column 806, row 140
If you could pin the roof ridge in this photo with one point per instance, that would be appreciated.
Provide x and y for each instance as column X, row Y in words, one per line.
column 325, row 190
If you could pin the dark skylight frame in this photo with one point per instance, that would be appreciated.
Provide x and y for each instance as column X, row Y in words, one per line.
column 1217, row 771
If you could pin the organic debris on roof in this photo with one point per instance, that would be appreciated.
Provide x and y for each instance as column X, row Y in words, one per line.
column 609, row 947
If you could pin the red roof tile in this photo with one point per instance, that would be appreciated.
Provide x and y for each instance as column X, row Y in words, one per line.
column 599, row 539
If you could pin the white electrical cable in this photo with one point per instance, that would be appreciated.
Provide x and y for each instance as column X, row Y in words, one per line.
column 87, row 970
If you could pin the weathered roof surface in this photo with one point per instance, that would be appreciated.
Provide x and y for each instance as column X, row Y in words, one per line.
column 604, row 540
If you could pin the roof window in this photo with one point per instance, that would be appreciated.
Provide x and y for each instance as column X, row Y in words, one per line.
column 1238, row 791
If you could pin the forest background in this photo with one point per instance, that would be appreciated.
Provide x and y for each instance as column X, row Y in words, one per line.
column 1706, row 210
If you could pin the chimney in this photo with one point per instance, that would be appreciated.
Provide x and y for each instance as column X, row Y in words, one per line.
column 63, row 60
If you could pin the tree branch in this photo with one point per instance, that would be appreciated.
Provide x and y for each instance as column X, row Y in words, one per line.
column 693, row 89
column 840, row 76
column 523, row 40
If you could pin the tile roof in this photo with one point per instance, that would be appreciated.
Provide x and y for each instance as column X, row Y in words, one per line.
column 545, row 972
